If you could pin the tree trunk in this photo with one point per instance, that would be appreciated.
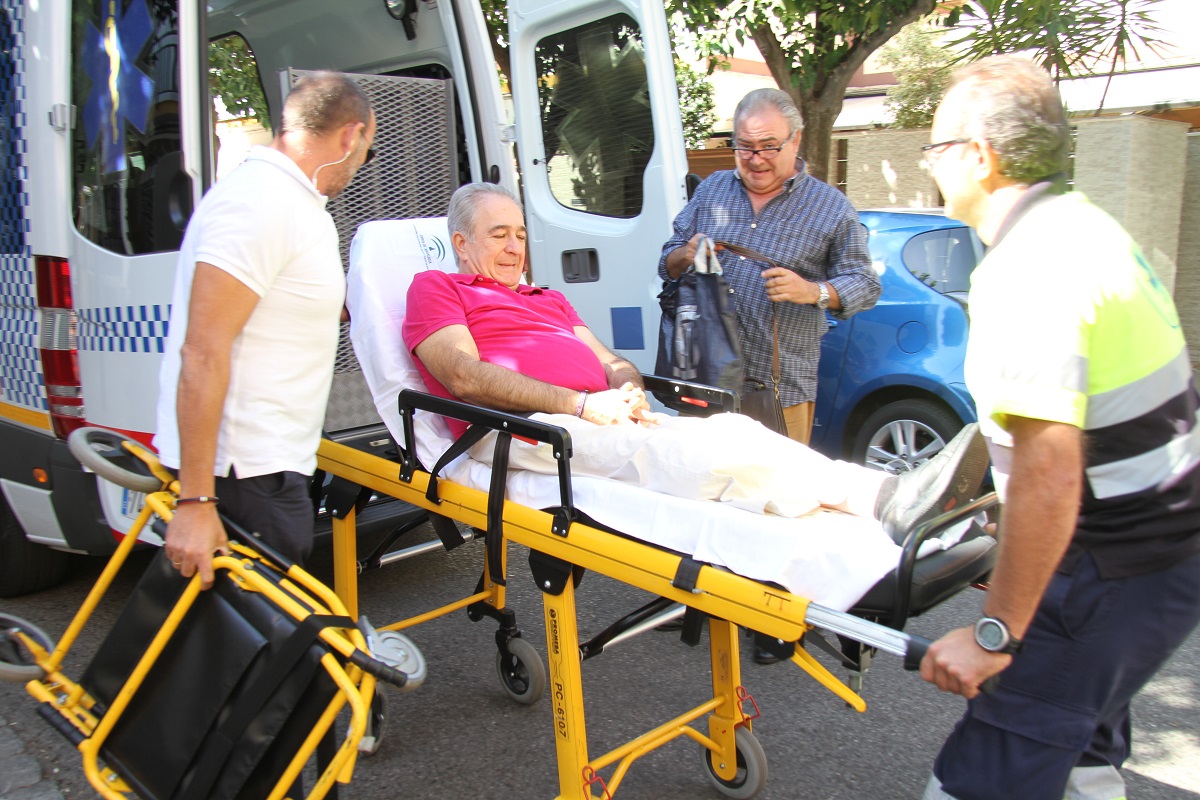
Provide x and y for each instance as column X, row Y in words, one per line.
column 816, row 143
column 820, row 105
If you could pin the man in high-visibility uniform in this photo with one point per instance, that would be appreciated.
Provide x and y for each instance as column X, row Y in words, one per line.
column 1085, row 393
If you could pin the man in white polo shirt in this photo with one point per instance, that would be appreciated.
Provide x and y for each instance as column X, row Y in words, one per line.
column 259, row 291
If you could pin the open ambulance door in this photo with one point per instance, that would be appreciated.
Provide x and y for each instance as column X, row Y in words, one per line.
column 601, row 156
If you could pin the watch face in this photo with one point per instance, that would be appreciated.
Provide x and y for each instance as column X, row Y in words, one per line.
column 991, row 635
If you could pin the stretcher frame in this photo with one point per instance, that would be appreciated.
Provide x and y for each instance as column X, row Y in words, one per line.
column 562, row 548
column 68, row 707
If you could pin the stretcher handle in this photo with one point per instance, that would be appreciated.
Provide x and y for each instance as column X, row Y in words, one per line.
column 378, row 669
column 919, row 645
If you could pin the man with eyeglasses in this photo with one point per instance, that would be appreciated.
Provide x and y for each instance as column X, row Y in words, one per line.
column 1090, row 413
column 259, row 291
column 771, row 205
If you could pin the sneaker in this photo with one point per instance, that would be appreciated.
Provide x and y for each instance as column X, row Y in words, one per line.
column 941, row 484
column 765, row 656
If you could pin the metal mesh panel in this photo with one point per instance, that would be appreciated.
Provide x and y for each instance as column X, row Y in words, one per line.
column 413, row 175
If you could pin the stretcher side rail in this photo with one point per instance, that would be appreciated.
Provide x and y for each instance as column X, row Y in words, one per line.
column 912, row 544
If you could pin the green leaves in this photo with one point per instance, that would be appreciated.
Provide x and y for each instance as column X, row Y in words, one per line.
column 233, row 76
column 696, row 105
column 1068, row 37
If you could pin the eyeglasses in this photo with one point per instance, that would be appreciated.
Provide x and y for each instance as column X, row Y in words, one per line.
column 370, row 156
column 932, row 152
column 747, row 153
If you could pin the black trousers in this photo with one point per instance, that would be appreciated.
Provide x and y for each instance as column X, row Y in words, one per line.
column 276, row 508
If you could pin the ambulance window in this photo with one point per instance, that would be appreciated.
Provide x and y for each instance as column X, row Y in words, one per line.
column 131, row 194
column 240, row 111
column 12, row 209
column 596, row 121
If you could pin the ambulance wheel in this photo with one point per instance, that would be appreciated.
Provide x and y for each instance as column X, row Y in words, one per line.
column 16, row 662
column 751, row 774
column 26, row 566
column 376, row 725
column 100, row 450
column 521, row 672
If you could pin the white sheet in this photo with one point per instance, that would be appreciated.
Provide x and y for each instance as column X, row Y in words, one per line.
column 828, row 557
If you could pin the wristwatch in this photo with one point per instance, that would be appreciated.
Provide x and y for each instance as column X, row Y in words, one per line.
column 823, row 300
column 992, row 635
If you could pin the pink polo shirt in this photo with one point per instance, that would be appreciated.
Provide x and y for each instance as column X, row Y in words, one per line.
column 530, row 330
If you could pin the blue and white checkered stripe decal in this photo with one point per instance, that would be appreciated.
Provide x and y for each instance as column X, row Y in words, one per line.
column 124, row 329
column 20, row 364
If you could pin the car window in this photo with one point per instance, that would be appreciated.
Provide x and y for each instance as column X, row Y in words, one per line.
column 943, row 259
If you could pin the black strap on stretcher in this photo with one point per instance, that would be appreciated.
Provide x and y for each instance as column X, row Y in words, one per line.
column 255, row 697
column 686, row 575
column 482, row 421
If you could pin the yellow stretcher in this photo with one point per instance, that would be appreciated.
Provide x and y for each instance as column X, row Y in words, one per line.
column 223, row 693
column 563, row 547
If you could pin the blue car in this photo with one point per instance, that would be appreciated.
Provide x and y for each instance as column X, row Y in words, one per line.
column 890, row 388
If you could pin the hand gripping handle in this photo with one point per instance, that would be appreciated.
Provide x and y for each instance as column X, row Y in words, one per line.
column 919, row 645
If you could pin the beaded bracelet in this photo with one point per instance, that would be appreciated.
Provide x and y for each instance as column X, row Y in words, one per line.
column 204, row 498
column 583, row 396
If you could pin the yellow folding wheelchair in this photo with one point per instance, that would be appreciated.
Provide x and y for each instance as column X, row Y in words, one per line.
column 202, row 694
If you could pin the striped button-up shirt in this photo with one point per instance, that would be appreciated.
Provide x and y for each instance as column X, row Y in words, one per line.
column 809, row 227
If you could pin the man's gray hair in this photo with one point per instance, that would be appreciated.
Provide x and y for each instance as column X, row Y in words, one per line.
column 1011, row 103
column 323, row 102
column 463, row 214
column 777, row 99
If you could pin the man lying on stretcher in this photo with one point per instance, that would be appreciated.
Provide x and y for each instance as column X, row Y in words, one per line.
column 483, row 337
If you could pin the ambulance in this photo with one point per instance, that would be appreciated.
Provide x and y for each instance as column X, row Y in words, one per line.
column 111, row 134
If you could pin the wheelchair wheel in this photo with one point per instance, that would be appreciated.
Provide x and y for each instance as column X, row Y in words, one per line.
column 16, row 662
column 397, row 650
column 100, row 450
column 521, row 671
column 376, row 725
column 751, row 774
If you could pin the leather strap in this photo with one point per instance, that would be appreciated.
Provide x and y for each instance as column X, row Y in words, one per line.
column 746, row 252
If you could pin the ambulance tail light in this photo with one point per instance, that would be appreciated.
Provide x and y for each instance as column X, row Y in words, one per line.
column 58, row 344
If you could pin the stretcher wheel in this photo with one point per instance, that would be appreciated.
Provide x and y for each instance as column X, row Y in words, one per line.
column 100, row 450
column 521, row 672
column 751, row 768
column 16, row 662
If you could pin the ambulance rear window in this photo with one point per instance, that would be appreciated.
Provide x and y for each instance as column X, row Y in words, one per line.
column 131, row 194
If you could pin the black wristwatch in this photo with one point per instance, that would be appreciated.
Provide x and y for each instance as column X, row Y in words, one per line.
column 992, row 635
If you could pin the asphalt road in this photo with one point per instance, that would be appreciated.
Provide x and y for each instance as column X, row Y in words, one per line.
column 460, row 736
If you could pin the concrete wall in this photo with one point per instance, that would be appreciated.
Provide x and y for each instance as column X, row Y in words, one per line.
column 885, row 170
column 1143, row 171
column 1133, row 168
column 1187, row 280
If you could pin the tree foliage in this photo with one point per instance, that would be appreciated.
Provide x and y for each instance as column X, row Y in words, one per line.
column 812, row 48
column 1068, row 37
column 696, row 105
column 922, row 69
column 233, row 76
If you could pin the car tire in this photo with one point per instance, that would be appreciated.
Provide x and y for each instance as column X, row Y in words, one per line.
column 24, row 565
column 903, row 435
